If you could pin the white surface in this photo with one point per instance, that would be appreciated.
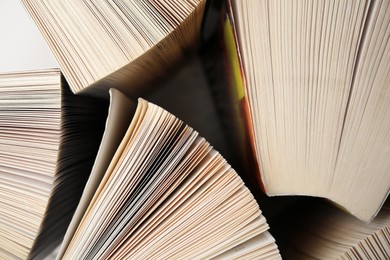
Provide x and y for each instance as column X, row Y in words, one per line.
column 21, row 44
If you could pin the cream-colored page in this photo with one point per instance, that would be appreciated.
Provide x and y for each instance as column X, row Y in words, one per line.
column 119, row 118
column 259, row 241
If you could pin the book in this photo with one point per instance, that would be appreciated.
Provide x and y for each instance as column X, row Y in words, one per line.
column 305, row 84
column 42, row 124
column 48, row 142
column 326, row 232
column 159, row 190
column 124, row 44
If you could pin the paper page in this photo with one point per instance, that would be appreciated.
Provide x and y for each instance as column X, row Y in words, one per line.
column 119, row 117
column 261, row 240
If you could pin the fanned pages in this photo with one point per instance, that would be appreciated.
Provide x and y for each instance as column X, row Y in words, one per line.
column 117, row 121
column 316, row 79
column 327, row 233
column 29, row 145
column 167, row 194
column 43, row 166
column 123, row 44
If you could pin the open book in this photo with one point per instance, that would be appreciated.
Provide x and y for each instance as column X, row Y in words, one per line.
column 327, row 233
column 48, row 142
column 122, row 44
column 159, row 190
column 309, row 87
